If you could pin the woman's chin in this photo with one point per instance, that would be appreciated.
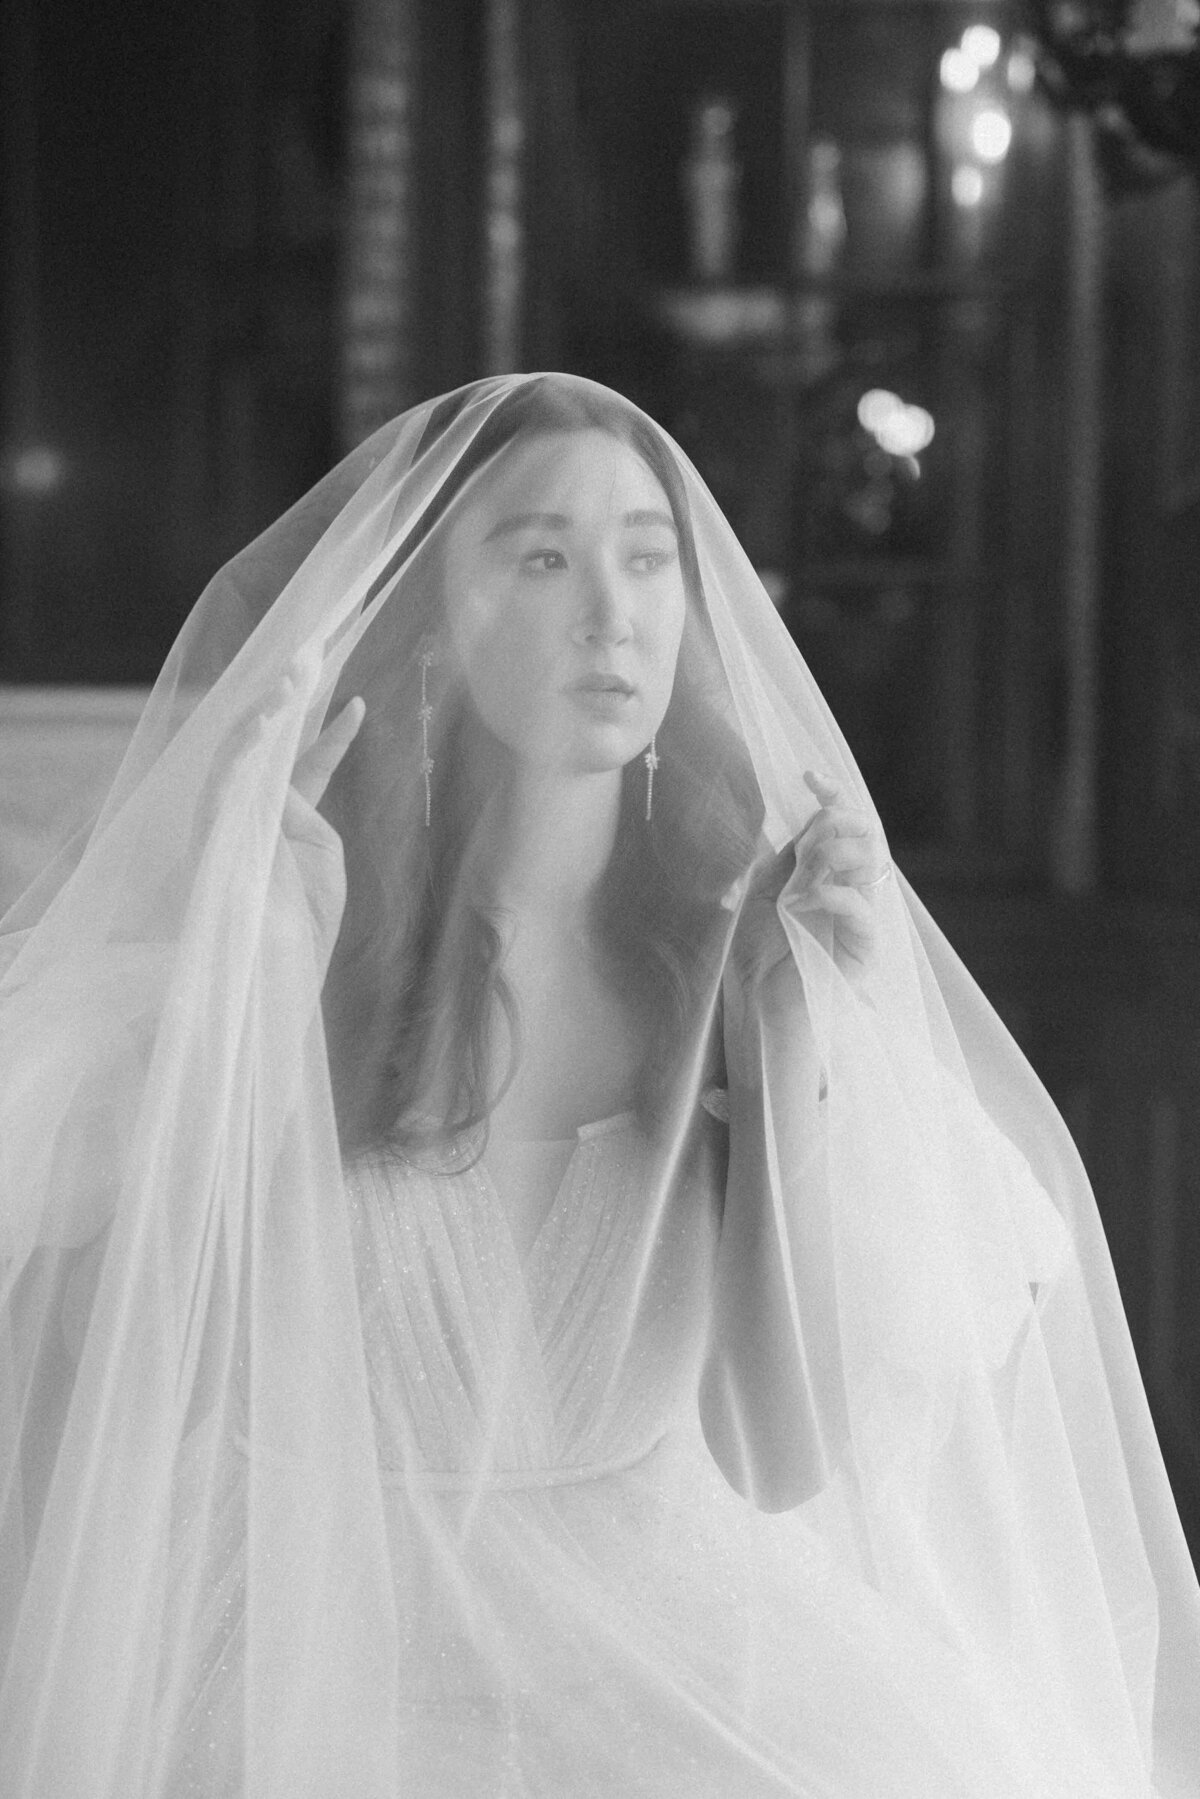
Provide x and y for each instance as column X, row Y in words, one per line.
column 605, row 747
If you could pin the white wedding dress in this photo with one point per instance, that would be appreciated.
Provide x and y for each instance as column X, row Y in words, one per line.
column 591, row 1610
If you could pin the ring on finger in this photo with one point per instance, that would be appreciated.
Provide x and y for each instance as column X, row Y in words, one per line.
column 879, row 879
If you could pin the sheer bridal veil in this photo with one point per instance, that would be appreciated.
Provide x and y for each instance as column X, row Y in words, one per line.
column 222, row 999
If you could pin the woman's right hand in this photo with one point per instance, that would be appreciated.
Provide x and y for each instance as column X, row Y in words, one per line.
column 316, row 767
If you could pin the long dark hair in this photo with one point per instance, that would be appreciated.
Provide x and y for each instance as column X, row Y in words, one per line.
column 416, row 985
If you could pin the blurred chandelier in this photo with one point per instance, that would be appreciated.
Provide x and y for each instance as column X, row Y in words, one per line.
column 1135, row 65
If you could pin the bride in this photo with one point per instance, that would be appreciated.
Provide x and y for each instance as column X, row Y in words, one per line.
column 530, row 1270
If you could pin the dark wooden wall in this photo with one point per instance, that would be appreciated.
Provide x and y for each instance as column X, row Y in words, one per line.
column 170, row 193
column 1104, row 998
column 175, row 199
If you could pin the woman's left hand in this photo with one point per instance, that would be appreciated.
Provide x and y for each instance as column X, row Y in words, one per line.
column 841, row 856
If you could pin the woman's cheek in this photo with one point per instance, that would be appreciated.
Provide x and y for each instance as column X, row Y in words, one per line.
column 667, row 655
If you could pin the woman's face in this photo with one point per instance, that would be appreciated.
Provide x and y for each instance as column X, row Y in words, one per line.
column 565, row 601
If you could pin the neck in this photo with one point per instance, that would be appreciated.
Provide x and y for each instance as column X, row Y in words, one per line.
column 548, row 839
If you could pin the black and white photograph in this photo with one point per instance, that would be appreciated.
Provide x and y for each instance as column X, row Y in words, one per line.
column 600, row 899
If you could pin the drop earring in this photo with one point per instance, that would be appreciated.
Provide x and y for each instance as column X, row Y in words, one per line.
column 651, row 761
column 426, row 713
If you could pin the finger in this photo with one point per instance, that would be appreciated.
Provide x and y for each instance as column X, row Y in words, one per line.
column 848, row 905
column 871, row 876
column 301, row 670
column 315, row 769
column 277, row 698
column 850, row 913
column 854, row 835
column 835, row 821
column 341, row 733
column 856, row 933
column 831, row 896
column 845, row 860
column 842, row 859
column 853, row 859
column 344, row 727
column 827, row 791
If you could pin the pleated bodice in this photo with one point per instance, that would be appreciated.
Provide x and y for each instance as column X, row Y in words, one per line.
column 486, row 1364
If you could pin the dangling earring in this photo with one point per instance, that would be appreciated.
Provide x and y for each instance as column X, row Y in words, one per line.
column 426, row 713
column 651, row 761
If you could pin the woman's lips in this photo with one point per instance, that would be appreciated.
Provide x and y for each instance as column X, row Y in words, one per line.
column 604, row 696
column 615, row 684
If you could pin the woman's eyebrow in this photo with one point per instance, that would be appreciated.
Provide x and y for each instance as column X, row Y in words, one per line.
column 521, row 521
column 559, row 521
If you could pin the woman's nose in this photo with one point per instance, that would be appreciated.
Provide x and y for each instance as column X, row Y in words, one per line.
column 603, row 613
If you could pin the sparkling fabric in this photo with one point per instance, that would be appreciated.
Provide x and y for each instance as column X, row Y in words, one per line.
column 485, row 1365
column 576, row 1573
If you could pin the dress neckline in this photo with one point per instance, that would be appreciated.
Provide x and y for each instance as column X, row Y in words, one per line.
column 583, row 1133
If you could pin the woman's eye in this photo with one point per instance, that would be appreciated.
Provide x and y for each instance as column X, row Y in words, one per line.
column 544, row 561
column 648, row 561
